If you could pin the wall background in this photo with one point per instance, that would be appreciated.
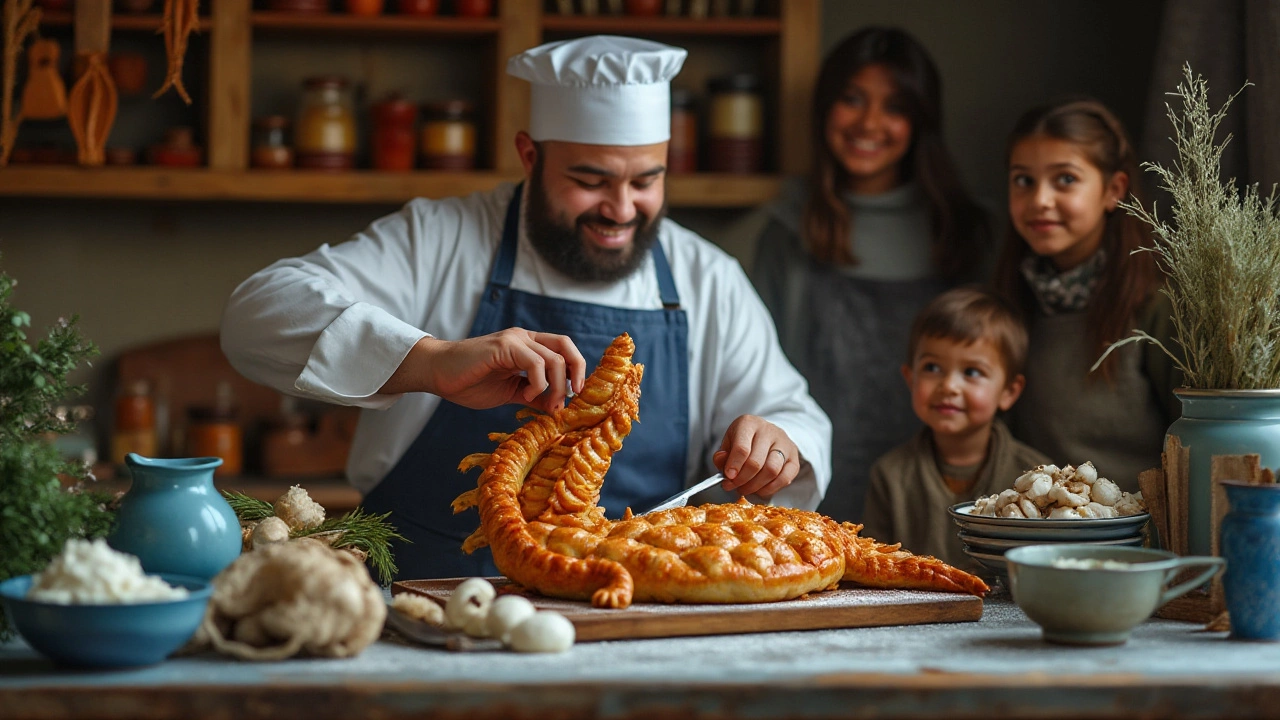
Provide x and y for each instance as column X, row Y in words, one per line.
column 138, row 272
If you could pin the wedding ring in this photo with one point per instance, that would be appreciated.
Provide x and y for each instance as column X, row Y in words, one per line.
column 784, row 455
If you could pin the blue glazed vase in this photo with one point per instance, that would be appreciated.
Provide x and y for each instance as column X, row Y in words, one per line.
column 1251, row 546
column 174, row 520
column 1222, row 422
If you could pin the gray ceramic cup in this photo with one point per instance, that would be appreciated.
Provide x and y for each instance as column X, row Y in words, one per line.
column 1097, row 606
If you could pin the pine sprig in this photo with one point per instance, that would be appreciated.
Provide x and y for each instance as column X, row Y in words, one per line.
column 360, row 530
column 248, row 508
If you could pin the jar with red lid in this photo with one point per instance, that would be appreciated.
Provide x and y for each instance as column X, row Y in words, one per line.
column 682, row 150
column 271, row 148
column 448, row 136
column 177, row 150
column 325, row 133
column 735, row 118
column 394, row 146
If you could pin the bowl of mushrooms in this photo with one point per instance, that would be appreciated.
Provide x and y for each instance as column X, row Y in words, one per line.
column 1050, row 505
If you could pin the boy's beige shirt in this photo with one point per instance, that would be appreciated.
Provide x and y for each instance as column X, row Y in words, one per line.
column 907, row 500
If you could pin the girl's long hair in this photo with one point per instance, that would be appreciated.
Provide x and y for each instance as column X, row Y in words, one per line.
column 959, row 225
column 1129, row 278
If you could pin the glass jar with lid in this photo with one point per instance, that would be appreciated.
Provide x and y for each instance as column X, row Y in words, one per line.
column 682, row 151
column 448, row 135
column 325, row 133
column 736, row 124
column 393, row 140
column 271, row 149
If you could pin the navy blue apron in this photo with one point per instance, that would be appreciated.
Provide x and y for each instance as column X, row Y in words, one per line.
column 650, row 467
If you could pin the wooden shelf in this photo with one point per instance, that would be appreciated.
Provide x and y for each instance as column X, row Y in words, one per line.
column 377, row 25
column 358, row 186
column 630, row 25
column 119, row 21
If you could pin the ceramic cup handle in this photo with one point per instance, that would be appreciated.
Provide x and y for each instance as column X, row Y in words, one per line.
column 1213, row 565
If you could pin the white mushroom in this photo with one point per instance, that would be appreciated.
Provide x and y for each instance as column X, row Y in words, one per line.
column 1005, row 498
column 468, row 607
column 1028, row 508
column 1013, row 511
column 506, row 613
column 298, row 510
column 1130, row 504
column 1087, row 473
column 1106, row 492
column 1038, row 493
column 270, row 531
column 1097, row 510
column 543, row 631
column 1024, row 480
column 1064, row 513
column 985, row 505
column 419, row 608
column 1066, row 498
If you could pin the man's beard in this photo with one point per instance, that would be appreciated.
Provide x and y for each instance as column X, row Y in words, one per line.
column 567, row 249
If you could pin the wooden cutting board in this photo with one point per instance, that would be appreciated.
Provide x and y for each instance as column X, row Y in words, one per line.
column 846, row 607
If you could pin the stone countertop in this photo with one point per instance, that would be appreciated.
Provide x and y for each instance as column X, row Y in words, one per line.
column 998, row 667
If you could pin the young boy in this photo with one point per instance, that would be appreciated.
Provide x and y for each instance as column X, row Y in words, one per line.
column 965, row 354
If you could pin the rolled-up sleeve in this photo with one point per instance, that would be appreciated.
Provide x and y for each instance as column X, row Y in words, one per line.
column 333, row 324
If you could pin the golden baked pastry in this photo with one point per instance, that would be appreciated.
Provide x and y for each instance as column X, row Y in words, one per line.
column 538, row 498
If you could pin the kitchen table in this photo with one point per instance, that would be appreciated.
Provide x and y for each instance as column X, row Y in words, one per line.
column 998, row 667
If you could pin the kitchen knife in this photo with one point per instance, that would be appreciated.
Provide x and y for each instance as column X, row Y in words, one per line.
column 682, row 497
column 421, row 632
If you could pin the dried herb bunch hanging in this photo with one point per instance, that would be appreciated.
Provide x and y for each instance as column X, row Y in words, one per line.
column 37, row 515
column 1221, row 254
column 179, row 21
column 20, row 19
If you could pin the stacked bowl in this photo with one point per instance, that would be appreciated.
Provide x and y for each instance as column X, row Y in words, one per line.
column 987, row 538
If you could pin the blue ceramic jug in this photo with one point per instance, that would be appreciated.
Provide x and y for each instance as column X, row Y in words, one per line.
column 1250, row 544
column 174, row 520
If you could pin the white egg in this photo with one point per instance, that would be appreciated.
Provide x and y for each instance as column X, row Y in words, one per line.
column 543, row 631
column 505, row 614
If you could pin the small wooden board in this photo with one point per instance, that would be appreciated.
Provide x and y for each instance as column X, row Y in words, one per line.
column 847, row 607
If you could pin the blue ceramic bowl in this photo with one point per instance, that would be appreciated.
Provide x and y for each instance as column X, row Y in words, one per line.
column 121, row 635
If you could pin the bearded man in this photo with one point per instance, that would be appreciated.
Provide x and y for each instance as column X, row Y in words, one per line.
column 434, row 317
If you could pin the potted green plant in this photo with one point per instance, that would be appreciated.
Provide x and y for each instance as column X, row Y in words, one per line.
column 37, row 514
column 1221, row 255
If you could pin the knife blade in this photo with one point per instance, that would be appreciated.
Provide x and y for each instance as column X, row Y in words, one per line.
column 421, row 632
column 681, row 498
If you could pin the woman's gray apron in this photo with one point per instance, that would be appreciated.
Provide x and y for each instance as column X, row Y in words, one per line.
column 650, row 467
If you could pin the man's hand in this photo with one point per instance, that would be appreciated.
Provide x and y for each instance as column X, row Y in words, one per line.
column 757, row 457
column 513, row 365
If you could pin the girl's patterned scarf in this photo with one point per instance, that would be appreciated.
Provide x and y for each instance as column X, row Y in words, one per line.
column 1063, row 292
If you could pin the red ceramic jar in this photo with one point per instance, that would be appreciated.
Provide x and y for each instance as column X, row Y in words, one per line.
column 393, row 137
column 420, row 8
column 473, row 8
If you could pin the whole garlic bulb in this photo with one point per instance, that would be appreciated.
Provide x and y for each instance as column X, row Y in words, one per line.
column 270, row 531
column 505, row 614
column 468, row 607
column 544, row 631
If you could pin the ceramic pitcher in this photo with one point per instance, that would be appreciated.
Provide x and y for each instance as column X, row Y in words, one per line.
column 173, row 518
column 1250, row 543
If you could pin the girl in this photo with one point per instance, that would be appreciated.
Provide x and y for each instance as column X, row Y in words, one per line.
column 849, row 258
column 1069, row 263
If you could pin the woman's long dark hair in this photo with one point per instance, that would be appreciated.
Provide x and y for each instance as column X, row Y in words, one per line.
column 959, row 226
column 1129, row 278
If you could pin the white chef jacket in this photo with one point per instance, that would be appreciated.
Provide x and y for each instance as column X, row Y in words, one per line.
column 334, row 325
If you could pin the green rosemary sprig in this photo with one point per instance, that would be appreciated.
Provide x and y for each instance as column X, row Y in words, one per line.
column 247, row 508
column 370, row 533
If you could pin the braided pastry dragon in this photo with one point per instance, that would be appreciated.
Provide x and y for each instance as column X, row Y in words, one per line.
column 537, row 498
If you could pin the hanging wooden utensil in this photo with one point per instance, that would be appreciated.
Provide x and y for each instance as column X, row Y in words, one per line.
column 44, row 97
column 91, row 110
column 180, row 18
column 20, row 20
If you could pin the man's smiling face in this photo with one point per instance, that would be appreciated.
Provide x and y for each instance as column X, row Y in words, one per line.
column 594, row 210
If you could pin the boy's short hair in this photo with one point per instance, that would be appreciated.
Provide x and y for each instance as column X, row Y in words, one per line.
column 969, row 314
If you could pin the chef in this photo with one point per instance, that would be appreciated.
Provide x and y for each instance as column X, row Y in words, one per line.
column 435, row 316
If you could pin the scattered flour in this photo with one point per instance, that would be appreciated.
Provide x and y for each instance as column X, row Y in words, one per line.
column 91, row 573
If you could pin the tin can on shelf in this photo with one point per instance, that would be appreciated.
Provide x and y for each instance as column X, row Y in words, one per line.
column 325, row 133
column 271, row 149
column 735, row 133
column 394, row 145
column 448, row 135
